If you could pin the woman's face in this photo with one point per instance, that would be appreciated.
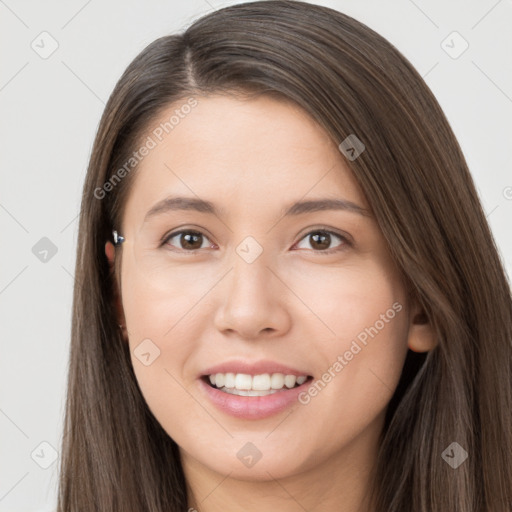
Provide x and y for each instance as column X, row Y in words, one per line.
column 250, row 289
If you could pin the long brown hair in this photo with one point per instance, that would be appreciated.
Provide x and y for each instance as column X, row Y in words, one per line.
column 115, row 455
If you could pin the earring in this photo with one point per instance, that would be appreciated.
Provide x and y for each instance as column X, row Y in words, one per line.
column 118, row 239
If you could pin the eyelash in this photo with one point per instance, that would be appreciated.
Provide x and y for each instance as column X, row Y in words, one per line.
column 346, row 242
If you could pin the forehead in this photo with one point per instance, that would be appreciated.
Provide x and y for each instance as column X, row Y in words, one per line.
column 250, row 153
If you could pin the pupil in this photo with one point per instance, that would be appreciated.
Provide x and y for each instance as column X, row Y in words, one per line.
column 187, row 237
column 325, row 236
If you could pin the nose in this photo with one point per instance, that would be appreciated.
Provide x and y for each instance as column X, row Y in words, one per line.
column 252, row 301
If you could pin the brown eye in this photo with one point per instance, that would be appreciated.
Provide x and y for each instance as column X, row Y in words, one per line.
column 320, row 241
column 189, row 240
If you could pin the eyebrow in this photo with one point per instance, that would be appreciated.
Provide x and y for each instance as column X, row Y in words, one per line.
column 298, row 208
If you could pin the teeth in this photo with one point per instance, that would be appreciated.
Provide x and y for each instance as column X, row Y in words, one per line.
column 229, row 381
column 289, row 381
column 219, row 380
column 277, row 381
column 242, row 381
column 250, row 392
column 261, row 382
column 257, row 385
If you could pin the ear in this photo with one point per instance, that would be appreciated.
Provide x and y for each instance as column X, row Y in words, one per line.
column 421, row 336
column 110, row 252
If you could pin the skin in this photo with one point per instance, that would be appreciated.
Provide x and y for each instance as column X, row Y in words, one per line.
column 292, row 305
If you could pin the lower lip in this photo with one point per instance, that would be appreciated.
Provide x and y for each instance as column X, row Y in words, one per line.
column 253, row 407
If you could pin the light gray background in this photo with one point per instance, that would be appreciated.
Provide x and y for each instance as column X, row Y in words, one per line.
column 50, row 109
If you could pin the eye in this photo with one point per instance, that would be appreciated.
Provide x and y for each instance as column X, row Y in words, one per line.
column 189, row 240
column 322, row 238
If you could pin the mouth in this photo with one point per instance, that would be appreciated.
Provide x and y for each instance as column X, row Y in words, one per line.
column 253, row 390
column 247, row 385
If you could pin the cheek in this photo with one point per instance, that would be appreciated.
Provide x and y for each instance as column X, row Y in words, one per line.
column 161, row 328
column 348, row 300
column 158, row 301
column 363, row 350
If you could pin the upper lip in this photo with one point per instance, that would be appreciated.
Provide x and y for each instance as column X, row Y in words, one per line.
column 253, row 368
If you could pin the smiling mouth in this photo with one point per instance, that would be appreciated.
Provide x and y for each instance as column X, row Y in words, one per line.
column 243, row 384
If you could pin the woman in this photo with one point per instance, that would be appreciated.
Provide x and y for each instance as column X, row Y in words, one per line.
column 221, row 359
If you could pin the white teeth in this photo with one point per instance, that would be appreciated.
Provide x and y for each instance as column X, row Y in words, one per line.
column 301, row 380
column 257, row 385
column 219, row 380
column 261, row 382
column 242, row 381
column 289, row 381
column 229, row 381
column 277, row 381
column 250, row 392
